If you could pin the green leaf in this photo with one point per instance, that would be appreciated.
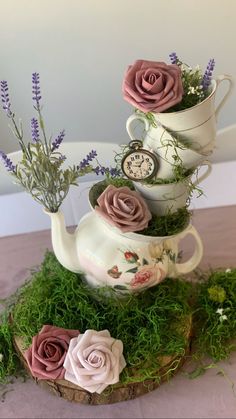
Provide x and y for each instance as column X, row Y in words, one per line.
column 132, row 270
column 120, row 287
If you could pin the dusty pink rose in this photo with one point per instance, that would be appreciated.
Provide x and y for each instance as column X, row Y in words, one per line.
column 152, row 86
column 148, row 276
column 123, row 208
column 46, row 355
column 94, row 360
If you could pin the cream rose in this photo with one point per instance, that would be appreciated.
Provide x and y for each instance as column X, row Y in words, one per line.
column 123, row 208
column 94, row 360
column 152, row 86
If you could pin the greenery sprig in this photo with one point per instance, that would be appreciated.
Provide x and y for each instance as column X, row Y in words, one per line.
column 40, row 170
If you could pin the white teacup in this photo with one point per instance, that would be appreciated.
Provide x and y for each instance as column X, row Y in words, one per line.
column 167, row 198
column 195, row 126
column 173, row 155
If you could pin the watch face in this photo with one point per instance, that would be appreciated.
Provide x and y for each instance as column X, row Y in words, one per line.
column 139, row 165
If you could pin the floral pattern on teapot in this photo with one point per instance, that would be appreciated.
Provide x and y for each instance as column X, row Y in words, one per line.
column 146, row 274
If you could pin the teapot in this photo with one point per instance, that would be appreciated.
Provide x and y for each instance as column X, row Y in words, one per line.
column 127, row 262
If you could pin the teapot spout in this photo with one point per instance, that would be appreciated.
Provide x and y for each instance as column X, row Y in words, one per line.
column 63, row 243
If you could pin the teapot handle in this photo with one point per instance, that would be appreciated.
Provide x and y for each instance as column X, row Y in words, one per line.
column 219, row 79
column 192, row 263
column 129, row 124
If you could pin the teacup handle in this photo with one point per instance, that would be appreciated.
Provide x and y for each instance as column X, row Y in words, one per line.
column 193, row 262
column 130, row 121
column 204, row 175
column 219, row 79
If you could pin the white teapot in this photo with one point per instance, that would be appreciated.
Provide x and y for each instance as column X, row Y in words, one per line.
column 127, row 262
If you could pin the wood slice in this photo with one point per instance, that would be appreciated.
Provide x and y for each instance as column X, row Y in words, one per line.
column 119, row 392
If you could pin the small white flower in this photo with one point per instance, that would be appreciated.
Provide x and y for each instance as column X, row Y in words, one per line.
column 224, row 317
column 227, row 271
column 220, row 311
column 191, row 90
column 1, row 357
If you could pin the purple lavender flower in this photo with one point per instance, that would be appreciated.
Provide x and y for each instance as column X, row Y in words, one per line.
column 113, row 172
column 173, row 58
column 206, row 80
column 62, row 157
column 5, row 98
column 8, row 163
column 56, row 143
column 85, row 162
column 36, row 88
column 35, row 130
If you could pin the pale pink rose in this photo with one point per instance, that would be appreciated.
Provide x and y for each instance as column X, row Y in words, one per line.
column 152, row 86
column 46, row 355
column 123, row 208
column 148, row 276
column 94, row 360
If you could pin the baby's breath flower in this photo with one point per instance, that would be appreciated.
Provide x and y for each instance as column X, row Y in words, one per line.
column 227, row 271
column 220, row 311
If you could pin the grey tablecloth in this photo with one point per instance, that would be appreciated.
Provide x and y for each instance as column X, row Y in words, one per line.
column 209, row 396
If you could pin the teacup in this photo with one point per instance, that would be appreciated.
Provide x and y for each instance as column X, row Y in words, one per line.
column 195, row 126
column 172, row 155
column 167, row 198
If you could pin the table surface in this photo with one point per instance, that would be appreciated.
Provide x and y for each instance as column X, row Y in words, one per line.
column 208, row 396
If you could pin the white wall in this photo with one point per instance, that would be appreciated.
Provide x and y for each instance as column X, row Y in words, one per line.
column 81, row 48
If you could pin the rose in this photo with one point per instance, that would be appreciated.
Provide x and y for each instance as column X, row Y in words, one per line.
column 46, row 355
column 148, row 276
column 123, row 208
column 94, row 360
column 131, row 257
column 152, row 86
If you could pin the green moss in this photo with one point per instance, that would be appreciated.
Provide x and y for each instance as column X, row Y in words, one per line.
column 169, row 224
column 160, row 226
column 150, row 324
column 9, row 362
column 214, row 332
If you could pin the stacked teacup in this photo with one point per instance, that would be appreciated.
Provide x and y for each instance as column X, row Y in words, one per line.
column 182, row 140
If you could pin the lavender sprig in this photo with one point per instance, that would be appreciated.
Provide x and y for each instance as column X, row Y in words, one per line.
column 56, row 143
column 109, row 171
column 206, row 80
column 5, row 98
column 36, row 89
column 86, row 162
column 173, row 58
column 7, row 162
column 35, row 130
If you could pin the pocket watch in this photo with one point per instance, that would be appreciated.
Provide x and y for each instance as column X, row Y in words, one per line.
column 139, row 163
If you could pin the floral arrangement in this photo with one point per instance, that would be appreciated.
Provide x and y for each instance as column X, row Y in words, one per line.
column 123, row 208
column 81, row 350
column 153, row 86
column 93, row 360
column 40, row 170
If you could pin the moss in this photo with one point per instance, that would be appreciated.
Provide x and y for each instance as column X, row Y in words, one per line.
column 161, row 226
column 216, row 298
column 150, row 324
